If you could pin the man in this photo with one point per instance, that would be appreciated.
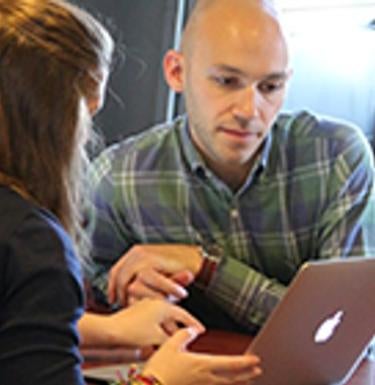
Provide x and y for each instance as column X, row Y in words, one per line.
column 235, row 196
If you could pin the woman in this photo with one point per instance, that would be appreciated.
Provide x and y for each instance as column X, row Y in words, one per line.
column 54, row 62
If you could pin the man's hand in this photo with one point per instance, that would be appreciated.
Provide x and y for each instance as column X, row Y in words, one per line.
column 154, row 271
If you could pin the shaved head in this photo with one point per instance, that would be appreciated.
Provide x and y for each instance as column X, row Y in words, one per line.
column 213, row 11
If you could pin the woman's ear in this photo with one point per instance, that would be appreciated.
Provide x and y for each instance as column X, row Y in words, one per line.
column 94, row 105
column 173, row 65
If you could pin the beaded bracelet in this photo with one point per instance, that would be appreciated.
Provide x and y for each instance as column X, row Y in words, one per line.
column 135, row 377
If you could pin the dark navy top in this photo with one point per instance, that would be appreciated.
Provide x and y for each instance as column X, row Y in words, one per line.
column 41, row 297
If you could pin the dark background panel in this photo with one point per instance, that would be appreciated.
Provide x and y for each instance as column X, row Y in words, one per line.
column 137, row 95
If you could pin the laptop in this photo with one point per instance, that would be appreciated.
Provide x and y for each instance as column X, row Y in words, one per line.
column 322, row 328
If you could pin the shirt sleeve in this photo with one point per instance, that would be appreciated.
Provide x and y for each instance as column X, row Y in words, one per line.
column 345, row 229
column 246, row 294
column 347, row 221
column 42, row 299
column 107, row 224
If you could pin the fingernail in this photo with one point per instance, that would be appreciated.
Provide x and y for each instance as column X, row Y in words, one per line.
column 172, row 298
column 182, row 292
column 257, row 371
column 193, row 331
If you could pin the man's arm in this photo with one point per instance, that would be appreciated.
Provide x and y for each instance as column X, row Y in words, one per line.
column 345, row 228
column 347, row 223
column 106, row 227
column 124, row 270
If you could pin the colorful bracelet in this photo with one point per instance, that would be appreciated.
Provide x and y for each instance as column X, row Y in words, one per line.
column 135, row 377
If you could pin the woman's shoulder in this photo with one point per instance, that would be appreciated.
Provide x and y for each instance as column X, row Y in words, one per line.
column 25, row 226
column 13, row 210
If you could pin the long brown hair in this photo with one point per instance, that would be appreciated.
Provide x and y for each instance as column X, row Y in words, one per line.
column 52, row 55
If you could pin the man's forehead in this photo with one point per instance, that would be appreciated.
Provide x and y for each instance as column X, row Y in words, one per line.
column 244, row 56
column 236, row 71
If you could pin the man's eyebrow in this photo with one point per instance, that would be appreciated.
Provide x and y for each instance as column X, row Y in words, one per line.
column 235, row 71
column 277, row 76
column 227, row 68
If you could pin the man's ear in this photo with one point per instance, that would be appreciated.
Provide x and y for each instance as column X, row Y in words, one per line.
column 173, row 65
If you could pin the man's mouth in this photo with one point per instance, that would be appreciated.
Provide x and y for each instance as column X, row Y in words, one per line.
column 241, row 133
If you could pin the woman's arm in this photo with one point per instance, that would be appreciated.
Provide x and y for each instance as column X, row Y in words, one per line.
column 147, row 322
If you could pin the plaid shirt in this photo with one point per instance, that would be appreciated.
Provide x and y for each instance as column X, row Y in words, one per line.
column 309, row 196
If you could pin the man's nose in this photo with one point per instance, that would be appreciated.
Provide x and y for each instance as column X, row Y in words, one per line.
column 246, row 104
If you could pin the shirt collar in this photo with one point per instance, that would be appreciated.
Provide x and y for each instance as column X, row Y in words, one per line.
column 266, row 150
column 195, row 160
column 191, row 153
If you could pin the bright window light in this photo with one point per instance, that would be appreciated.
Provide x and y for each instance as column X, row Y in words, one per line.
column 328, row 16
column 332, row 53
column 304, row 4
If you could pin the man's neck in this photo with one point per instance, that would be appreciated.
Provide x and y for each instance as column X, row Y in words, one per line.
column 234, row 176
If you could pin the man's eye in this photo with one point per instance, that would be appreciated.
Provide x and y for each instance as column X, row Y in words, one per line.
column 270, row 87
column 227, row 81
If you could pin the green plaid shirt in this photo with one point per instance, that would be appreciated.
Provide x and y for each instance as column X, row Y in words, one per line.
column 310, row 196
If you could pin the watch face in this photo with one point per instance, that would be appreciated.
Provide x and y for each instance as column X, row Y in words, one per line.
column 213, row 250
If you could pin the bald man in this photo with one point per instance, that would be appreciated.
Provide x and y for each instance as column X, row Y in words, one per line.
column 219, row 208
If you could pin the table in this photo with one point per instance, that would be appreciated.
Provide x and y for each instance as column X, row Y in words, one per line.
column 223, row 342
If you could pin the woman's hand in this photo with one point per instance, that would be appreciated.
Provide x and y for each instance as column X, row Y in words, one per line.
column 150, row 322
column 147, row 322
column 172, row 364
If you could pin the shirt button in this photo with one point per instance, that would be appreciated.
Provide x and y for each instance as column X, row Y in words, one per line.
column 234, row 213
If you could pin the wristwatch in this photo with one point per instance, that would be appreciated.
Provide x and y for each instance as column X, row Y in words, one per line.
column 208, row 268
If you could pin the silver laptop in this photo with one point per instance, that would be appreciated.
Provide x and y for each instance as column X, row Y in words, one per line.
column 320, row 331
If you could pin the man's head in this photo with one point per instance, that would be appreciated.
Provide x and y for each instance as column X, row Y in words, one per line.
column 232, row 69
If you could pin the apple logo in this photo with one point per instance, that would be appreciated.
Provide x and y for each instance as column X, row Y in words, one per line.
column 327, row 328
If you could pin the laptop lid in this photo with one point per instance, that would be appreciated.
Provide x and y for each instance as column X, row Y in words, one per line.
column 320, row 330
